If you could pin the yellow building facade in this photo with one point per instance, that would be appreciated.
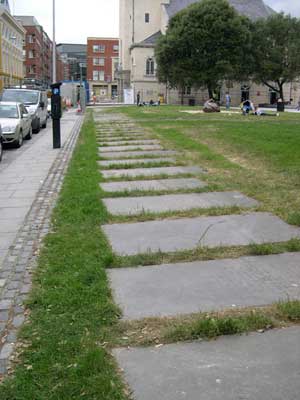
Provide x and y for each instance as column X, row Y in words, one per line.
column 12, row 36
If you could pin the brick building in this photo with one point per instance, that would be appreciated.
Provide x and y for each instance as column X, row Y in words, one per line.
column 37, row 50
column 102, row 63
column 38, row 53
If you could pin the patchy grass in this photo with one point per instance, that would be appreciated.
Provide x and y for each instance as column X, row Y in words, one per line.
column 202, row 253
column 71, row 309
column 144, row 216
column 158, row 331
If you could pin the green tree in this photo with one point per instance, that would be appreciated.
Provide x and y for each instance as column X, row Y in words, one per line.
column 205, row 44
column 276, row 51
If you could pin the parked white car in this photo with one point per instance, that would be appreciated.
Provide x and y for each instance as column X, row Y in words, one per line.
column 35, row 102
column 15, row 122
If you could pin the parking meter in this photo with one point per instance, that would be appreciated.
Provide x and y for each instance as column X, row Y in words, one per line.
column 56, row 114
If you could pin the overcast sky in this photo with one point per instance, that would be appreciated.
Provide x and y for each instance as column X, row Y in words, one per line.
column 76, row 20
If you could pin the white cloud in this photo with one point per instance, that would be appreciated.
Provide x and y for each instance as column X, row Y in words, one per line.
column 76, row 20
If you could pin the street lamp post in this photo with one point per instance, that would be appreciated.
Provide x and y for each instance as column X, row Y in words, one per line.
column 54, row 46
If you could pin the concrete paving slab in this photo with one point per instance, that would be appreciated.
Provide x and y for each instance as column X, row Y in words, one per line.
column 106, row 139
column 119, row 173
column 154, row 185
column 177, row 202
column 109, row 163
column 255, row 366
column 131, row 143
column 138, row 154
column 130, row 148
column 185, row 288
column 190, row 233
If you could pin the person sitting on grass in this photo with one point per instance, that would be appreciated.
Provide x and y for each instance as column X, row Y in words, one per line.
column 258, row 111
column 247, row 106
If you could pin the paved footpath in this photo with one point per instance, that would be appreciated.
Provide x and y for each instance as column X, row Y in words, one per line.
column 30, row 180
column 256, row 366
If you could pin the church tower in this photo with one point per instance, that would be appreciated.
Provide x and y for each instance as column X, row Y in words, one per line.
column 5, row 4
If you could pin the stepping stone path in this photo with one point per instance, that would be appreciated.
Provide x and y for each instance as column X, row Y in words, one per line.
column 131, row 147
column 109, row 163
column 176, row 202
column 190, row 233
column 255, row 367
column 245, row 367
column 154, row 185
column 138, row 154
column 171, row 171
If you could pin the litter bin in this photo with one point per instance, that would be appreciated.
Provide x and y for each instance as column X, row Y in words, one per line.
column 280, row 106
column 192, row 102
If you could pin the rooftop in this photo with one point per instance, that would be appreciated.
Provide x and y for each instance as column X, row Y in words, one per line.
column 253, row 9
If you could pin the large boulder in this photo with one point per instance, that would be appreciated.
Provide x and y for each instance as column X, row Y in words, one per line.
column 210, row 106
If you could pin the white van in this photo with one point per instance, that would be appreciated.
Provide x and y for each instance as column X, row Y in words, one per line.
column 35, row 102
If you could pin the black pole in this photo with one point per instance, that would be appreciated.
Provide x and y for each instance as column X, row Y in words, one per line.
column 56, row 133
column 56, row 114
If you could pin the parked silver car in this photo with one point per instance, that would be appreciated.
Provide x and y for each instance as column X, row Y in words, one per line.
column 35, row 102
column 15, row 122
column 1, row 144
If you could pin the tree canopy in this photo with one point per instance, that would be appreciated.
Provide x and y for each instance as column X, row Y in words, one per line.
column 276, row 51
column 205, row 44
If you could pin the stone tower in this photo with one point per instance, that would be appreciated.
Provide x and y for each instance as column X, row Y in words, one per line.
column 5, row 4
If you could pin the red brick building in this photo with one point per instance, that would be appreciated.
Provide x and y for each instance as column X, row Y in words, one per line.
column 102, row 62
column 38, row 53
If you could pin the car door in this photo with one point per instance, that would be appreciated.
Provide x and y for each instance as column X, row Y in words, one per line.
column 26, row 120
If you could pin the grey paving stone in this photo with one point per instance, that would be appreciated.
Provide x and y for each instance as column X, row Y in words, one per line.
column 109, row 163
column 190, row 233
column 153, row 185
column 138, row 154
column 185, row 288
column 176, row 202
column 130, row 148
column 114, row 139
column 255, row 366
column 118, row 173
column 131, row 143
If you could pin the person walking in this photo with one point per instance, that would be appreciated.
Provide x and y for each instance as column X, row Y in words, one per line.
column 138, row 98
column 228, row 101
column 298, row 108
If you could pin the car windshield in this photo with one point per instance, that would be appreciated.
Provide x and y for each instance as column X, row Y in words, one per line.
column 8, row 111
column 21, row 96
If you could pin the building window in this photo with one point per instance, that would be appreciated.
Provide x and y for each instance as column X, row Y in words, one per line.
column 188, row 90
column 31, row 38
column 98, row 48
column 115, row 48
column 99, row 61
column 31, row 54
column 147, row 18
column 150, row 67
column 98, row 75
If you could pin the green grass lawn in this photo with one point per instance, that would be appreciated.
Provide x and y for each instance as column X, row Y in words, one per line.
column 257, row 155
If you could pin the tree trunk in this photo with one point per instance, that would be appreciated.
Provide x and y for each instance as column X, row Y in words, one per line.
column 280, row 84
column 182, row 95
column 210, row 92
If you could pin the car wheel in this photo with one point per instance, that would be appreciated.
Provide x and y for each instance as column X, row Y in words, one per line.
column 38, row 128
column 19, row 142
column 29, row 134
column 1, row 150
column 45, row 124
